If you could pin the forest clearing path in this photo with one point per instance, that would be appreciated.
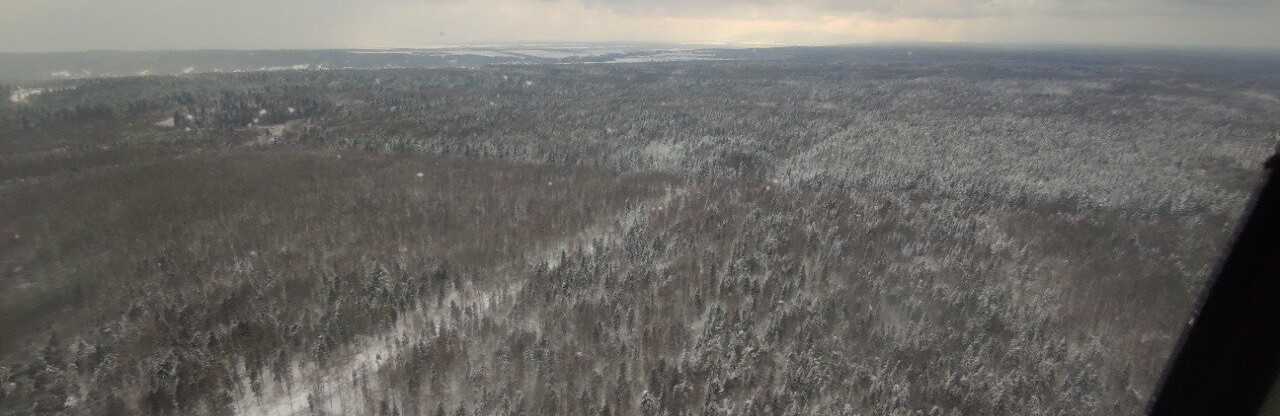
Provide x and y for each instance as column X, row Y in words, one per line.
column 341, row 386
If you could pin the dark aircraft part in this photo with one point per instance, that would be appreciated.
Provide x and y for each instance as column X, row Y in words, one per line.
column 1230, row 357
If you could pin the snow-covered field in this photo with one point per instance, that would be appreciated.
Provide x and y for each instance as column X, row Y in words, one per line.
column 21, row 95
column 675, row 56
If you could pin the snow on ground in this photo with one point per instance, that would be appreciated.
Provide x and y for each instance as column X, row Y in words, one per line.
column 513, row 54
column 299, row 67
column 548, row 53
column 274, row 132
column 1261, row 95
column 440, row 52
column 332, row 388
column 478, row 52
column 84, row 73
column 559, row 51
column 21, row 95
column 573, row 51
column 669, row 57
column 385, row 52
column 444, row 52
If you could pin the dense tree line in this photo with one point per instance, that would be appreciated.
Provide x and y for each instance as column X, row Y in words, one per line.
column 757, row 237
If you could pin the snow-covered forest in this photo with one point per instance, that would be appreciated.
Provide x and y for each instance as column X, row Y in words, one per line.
column 791, row 231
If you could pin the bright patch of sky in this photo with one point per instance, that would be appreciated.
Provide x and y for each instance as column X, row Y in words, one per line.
column 65, row 25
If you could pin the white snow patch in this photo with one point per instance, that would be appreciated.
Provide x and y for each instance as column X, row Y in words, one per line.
column 547, row 53
column 21, row 95
column 385, row 52
column 299, row 67
column 491, row 54
column 330, row 386
column 1260, row 95
column 275, row 130
column 476, row 52
column 669, row 57
column 269, row 134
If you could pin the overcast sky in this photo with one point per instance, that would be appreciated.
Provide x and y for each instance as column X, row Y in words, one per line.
column 68, row 25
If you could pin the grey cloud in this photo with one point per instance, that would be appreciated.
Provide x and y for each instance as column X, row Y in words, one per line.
column 939, row 8
column 59, row 25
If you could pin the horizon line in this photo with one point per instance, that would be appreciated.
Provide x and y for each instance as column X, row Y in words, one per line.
column 702, row 45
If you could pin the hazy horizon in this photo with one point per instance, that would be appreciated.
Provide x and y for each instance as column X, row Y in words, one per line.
column 631, row 207
column 692, row 45
column 143, row 25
